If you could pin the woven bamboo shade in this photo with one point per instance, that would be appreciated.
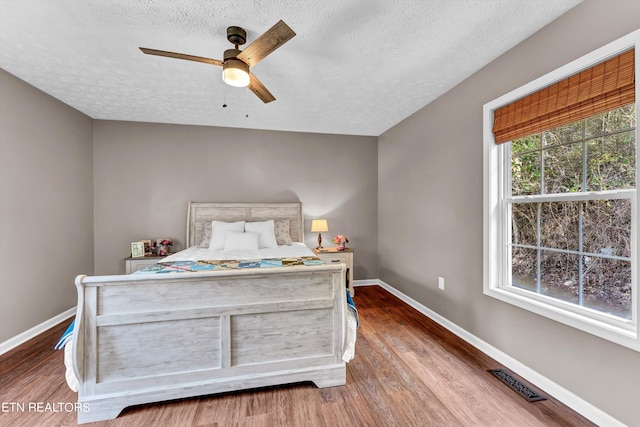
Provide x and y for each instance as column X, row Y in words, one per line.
column 605, row 86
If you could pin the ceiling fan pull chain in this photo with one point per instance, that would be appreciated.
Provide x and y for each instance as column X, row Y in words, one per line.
column 246, row 104
column 224, row 97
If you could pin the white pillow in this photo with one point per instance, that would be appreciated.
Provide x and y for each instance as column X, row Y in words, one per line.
column 266, row 230
column 237, row 241
column 219, row 231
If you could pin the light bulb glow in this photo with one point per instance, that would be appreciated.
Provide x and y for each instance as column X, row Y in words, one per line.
column 235, row 73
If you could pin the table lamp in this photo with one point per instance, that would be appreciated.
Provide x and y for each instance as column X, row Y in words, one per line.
column 319, row 226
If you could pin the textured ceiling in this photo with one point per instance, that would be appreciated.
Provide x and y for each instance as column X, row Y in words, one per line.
column 356, row 67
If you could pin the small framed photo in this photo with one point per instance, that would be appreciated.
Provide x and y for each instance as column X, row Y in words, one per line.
column 147, row 246
column 137, row 249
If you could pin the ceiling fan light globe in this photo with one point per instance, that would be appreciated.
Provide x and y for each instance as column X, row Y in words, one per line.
column 235, row 73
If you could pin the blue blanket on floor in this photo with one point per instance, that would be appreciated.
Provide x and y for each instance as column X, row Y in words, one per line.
column 352, row 306
column 66, row 337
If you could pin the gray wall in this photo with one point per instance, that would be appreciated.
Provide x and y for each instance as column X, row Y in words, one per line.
column 146, row 173
column 435, row 227
column 46, row 205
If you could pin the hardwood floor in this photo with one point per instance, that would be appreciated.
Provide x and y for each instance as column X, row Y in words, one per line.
column 408, row 371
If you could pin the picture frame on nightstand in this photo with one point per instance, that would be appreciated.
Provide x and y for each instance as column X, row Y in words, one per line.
column 147, row 247
column 137, row 249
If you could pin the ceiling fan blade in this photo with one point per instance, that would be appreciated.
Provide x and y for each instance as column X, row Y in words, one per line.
column 272, row 39
column 181, row 56
column 258, row 88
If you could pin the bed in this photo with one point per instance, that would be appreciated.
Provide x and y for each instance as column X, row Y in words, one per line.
column 145, row 338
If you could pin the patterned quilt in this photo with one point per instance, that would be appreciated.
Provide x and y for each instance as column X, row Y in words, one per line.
column 209, row 265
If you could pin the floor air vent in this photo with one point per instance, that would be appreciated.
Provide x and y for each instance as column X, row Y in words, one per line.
column 520, row 388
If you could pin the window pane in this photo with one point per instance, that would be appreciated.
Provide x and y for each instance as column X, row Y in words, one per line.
column 612, row 162
column 563, row 134
column 526, row 144
column 611, row 121
column 559, row 275
column 607, row 285
column 563, row 169
column 607, row 227
column 523, row 268
column 524, row 219
column 526, row 174
column 559, row 225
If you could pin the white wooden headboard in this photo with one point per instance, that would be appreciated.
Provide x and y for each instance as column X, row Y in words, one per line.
column 200, row 213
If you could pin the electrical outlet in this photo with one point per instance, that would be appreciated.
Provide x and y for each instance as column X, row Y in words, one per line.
column 441, row 283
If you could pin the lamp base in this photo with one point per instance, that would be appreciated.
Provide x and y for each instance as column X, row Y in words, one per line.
column 319, row 241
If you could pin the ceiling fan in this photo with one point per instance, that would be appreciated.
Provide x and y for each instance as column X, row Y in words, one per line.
column 236, row 63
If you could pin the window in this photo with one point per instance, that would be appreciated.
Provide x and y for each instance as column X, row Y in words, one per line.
column 561, row 216
column 570, row 236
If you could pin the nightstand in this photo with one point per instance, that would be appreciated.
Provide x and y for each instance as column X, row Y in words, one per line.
column 131, row 265
column 332, row 255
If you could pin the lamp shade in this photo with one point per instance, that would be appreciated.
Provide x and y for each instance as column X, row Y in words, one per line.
column 319, row 225
column 235, row 73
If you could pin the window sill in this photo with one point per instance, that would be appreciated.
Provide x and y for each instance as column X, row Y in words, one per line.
column 599, row 324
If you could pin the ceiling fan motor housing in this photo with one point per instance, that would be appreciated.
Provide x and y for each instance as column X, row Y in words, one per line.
column 231, row 54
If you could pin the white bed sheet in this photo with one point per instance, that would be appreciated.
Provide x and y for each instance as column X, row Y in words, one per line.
column 196, row 253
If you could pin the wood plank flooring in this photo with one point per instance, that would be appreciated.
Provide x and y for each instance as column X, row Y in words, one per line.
column 408, row 371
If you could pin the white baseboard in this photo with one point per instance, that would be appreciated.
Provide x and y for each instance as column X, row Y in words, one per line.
column 14, row 342
column 366, row 282
column 560, row 393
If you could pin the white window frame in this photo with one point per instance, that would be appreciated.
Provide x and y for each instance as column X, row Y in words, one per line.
column 496, row 161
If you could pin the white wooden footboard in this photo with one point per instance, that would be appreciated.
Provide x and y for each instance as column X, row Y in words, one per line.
column 149, row 338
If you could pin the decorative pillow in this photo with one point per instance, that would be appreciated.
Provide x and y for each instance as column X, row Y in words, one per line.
column 239, row 241
column 219, row 231
column 266, row 230
column 281, row 227
column 206, row 235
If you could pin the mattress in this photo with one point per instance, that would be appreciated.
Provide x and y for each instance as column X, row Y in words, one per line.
column 196, row 253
